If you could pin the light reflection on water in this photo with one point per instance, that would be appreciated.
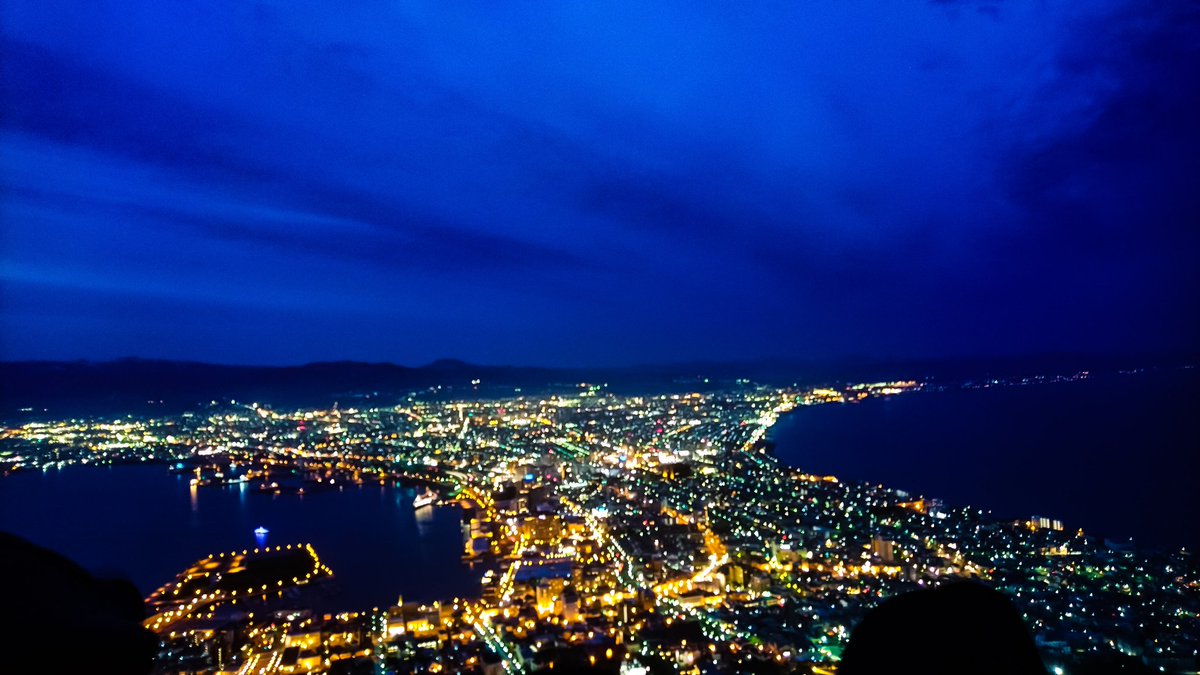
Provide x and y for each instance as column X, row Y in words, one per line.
column 424, row 518
column 145, row 524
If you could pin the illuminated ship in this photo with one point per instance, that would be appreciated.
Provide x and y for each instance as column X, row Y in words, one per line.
column 424, row 499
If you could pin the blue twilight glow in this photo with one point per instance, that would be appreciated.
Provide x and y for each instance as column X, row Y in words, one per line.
column 600, row 183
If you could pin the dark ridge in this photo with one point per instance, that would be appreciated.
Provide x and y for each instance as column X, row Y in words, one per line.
column 46, row 389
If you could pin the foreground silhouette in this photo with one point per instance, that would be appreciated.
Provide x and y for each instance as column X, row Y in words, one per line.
column 55, row 618
column 58, row 618
column 957, row 628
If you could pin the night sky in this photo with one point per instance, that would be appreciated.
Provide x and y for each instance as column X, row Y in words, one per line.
column 597, row 183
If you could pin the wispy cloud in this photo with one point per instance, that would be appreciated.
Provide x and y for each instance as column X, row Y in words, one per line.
column 972, row 174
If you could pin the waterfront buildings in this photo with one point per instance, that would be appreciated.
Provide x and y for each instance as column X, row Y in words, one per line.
column 614, row 532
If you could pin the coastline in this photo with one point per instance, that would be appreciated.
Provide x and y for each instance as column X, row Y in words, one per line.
column 80, row 512
column 1065, row 456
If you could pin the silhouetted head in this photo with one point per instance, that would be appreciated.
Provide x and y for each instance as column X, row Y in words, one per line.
column 961, row 627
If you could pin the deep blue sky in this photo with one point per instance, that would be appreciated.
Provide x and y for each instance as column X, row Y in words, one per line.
column 597, row 183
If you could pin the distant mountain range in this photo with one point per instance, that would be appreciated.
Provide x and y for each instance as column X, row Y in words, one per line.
column 32, row 389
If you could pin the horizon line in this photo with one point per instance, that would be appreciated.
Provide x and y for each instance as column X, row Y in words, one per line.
column 748, row 361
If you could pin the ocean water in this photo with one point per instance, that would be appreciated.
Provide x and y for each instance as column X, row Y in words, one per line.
column 144, row 524
column 1116, row 455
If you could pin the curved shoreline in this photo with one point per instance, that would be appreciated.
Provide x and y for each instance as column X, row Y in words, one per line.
column 1023, row 451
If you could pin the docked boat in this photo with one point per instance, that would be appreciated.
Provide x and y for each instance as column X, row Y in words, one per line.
column 426, row 498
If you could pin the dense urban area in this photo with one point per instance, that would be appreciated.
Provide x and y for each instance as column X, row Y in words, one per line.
column 631, row 534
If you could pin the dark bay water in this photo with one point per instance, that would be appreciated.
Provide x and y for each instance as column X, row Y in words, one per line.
column 1116, row 455
column 144, row 524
